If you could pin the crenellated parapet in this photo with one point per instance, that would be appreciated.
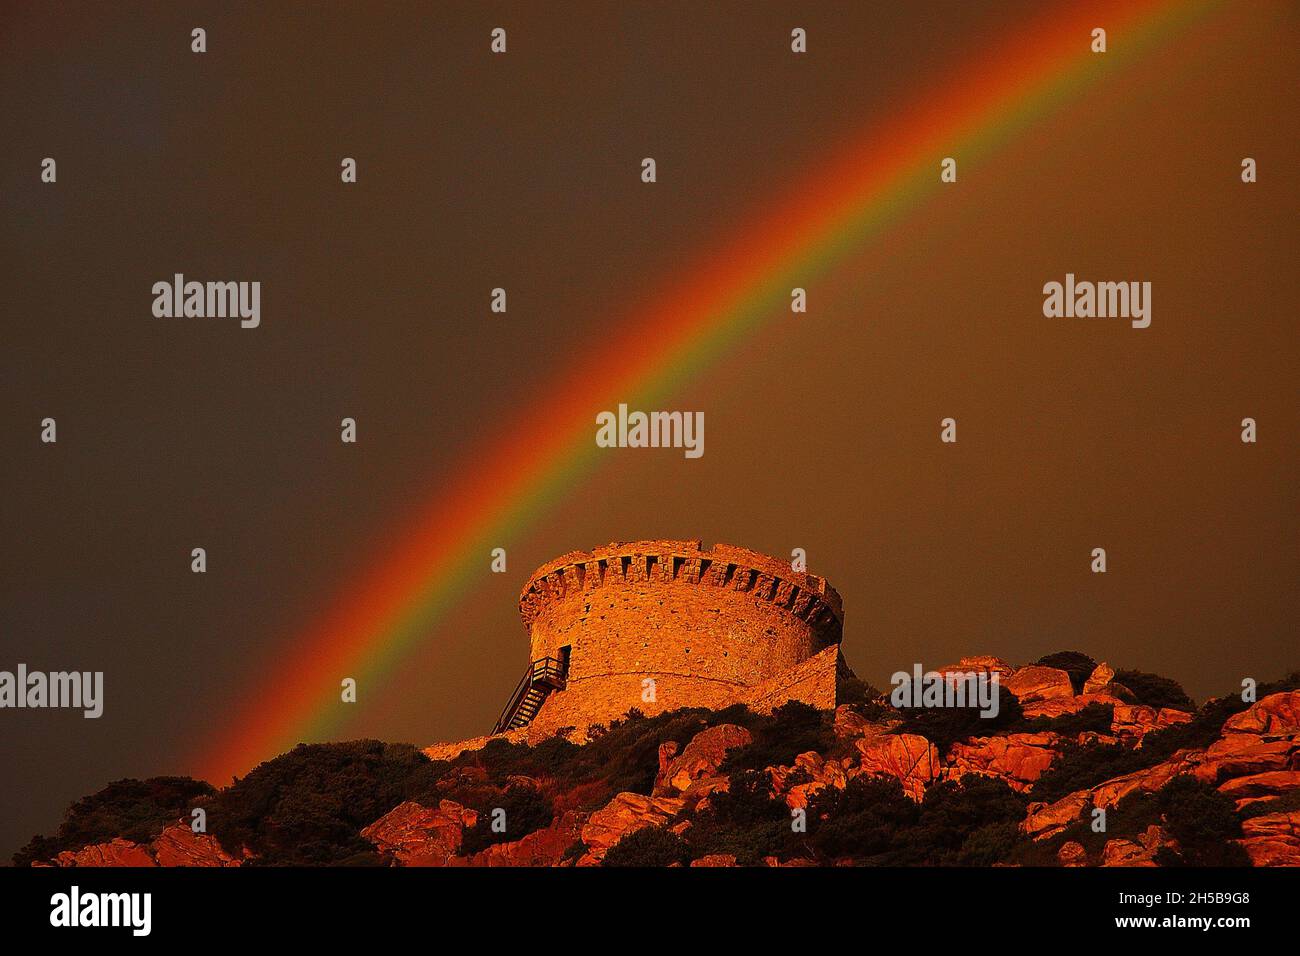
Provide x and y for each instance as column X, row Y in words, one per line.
column 805, row 596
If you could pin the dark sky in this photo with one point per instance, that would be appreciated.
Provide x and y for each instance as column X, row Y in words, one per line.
column 522, row 171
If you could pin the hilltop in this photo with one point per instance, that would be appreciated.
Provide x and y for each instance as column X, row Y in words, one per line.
column 1074, row 742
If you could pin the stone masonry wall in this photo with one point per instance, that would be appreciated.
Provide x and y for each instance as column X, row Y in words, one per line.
column 707, row 626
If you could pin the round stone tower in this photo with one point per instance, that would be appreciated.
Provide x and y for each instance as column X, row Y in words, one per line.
column 658, row 625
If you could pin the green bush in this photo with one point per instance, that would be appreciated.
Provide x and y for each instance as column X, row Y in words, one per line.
column 792, row 729
column 1155, row 691
column 308, row 806
column 1075, row 663
column 648, row 846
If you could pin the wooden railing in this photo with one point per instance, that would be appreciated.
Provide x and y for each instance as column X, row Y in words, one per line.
column 545, row 674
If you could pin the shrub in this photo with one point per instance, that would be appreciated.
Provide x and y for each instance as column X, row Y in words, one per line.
column 745, row 821
column 308, row 806
column 1155, row 691
column 526, row 810
column 1094, row 717
column 864, row 820
column 1204, row 823
column 648, row 846
column 793, row 728
column 1075, row 663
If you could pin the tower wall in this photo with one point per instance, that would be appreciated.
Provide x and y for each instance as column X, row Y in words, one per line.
column 710, row 627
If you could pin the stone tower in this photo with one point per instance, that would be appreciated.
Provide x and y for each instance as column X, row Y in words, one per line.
column 658, row 625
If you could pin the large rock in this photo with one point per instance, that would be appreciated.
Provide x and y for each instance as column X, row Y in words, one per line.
column 1240, row 755
column 1112, row 791
column 812, row 773
column 1036, row 682
column 715, row 859
column 1277, row 715
column 1099, row 679
column 910, row 758
column 116, row 852
column 544, row 847
column 1060, row 706
column 1046, row 820
column 1272, row 840
column 178, row 845
column 1019, row 759
column 1260, row 786
column 980, row 664
column 1139, row 852
column 1072, row 853
column 416, row 835
column 701, row 757
column 626, row 813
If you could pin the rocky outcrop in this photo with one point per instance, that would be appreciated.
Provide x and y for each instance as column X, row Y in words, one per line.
column 1019, row 759
column 980, row 664
column 1072, row 854
column 178, row 845
column 909, row 758
column 715, row 859
column 700, row 759
column 809, row 774
column 1036, row 683
column 626, row 813
column 415, row 835
column 1276, row 716
column 1045, row 820
column 1099, row 680
column 116, row 852
column 545, row 847
column 1273, row 839
column 1139, row 852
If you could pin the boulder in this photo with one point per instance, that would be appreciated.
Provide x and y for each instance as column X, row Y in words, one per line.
column 1112, row 791
column 544, row 847
column 1139, row 852
column 910, row 758
column 416, row 835
column 1072, row 854
column 1036, row 682
column 1099, row 679
column 1046, row 820
column 178, row 845
column 1277, row 715
column 1019, row 759
column 1260, row 786
column 1240, row 755
column 116, row 852
column 1273, row 839
column 849, row 723
column 700, row 758
column 626, row 813
column 715, row 859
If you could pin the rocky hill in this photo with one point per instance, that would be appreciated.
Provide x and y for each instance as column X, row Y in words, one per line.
column 1082, row 766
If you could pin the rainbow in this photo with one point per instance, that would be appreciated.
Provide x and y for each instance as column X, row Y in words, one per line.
column 869, row 184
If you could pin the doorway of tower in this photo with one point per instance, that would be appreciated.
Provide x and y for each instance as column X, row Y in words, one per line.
column 564, row 661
